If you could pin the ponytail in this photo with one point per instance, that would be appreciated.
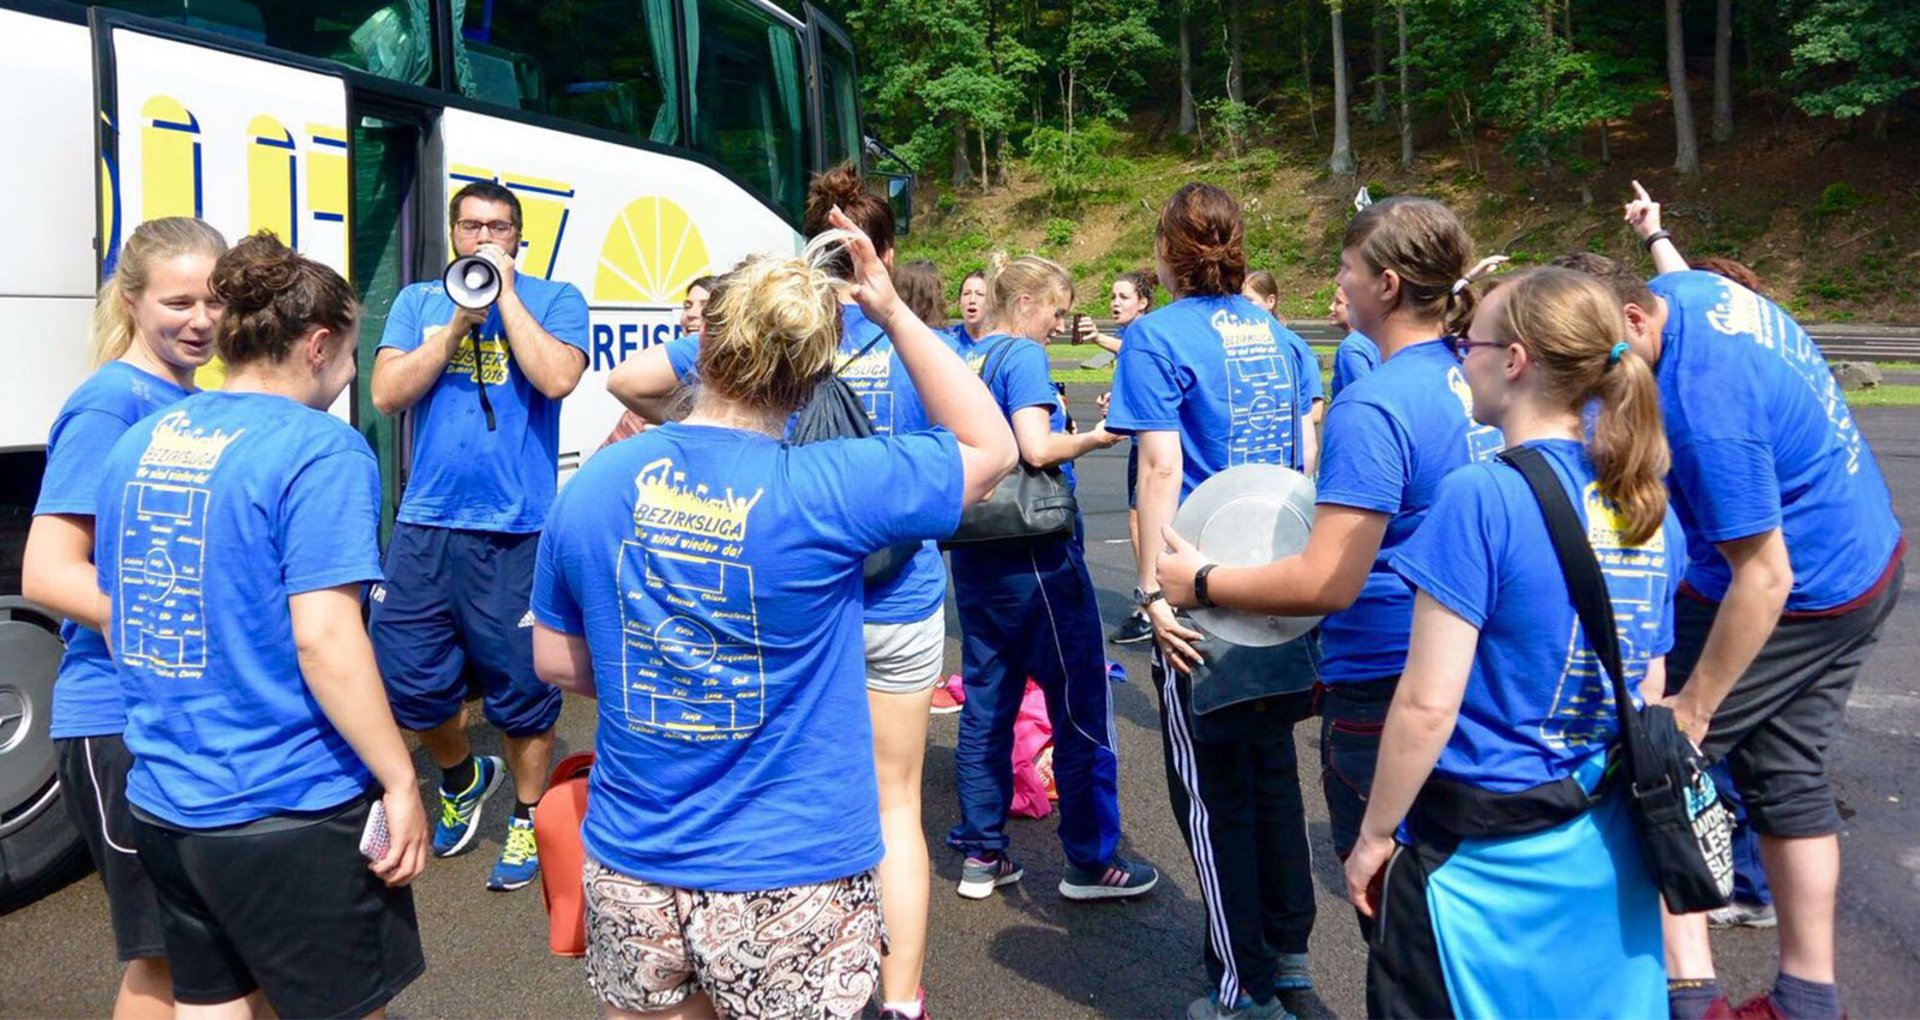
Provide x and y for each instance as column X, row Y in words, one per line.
column 1575, row 334
column 152, row 242
column 1031, row 275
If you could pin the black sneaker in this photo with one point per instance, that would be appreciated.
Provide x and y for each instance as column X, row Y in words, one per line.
column 1133, row 630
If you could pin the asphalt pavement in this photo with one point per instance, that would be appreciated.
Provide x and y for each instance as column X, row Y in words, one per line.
column 1026, row 952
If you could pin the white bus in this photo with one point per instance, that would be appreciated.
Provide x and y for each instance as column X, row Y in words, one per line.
column 650, row 142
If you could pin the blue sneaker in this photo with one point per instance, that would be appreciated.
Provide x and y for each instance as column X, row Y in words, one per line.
column 1118, row 879
column 1207, row 1007
column 980, row 876
column 519, row 859
column 460, row 812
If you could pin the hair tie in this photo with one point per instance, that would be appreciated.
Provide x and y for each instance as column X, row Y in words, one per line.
column 1459, row 285
column 1613, row 356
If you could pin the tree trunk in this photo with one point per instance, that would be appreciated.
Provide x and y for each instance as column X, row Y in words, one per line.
column 962, row 171
column 986, row 174
column 1686, row 141
column 1606, row 146
column 1723, row 73
column 1236, row 64
column 1379, row 66
column 1406, row 109
column 1000, row 176
column 1306, row 65
column 1188, row 122
column 1342, row 160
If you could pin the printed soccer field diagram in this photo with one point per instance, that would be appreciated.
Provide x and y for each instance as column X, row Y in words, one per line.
column 1583, row 703
column 868, row 378
column 160, row 603
column 1260, row 410
column 690, row 656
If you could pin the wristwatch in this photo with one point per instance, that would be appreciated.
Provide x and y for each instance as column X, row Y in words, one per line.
column 1144, row 598
column 1200, row 584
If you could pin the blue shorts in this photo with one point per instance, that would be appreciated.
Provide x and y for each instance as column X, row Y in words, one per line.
column 456, row 601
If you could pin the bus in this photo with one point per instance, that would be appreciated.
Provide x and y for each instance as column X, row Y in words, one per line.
column 650, row 142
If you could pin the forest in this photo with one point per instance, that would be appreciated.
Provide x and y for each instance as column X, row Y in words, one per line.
column 1027, row 121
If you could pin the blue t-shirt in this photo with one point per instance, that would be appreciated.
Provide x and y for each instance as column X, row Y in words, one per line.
column 1391, row 437
column 1355, row 357
column 465, row 476
column 1762, row 438
column 86, row 696
column 715, row 575
column 683, row 353
column 1537, row 702
column 1020, row 378
column 880, row 380
column 213, row 513
column 1224, row 374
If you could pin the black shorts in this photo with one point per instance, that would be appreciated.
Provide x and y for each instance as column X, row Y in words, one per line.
column 1133, row 475
column 287, row 906
column 1785, row 711
column 93, row 783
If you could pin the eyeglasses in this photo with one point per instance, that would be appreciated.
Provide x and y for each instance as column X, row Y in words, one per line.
column 1461, row 346
column 472, row 228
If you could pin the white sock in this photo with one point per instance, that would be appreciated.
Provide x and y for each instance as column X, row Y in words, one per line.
column 909, row 1009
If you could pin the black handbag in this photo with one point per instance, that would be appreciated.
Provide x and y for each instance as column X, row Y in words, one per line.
column 834, row 411
column 1029, row 503
column 1685, row 827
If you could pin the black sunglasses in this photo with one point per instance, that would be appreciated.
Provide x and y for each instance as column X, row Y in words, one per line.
column 1461, row 346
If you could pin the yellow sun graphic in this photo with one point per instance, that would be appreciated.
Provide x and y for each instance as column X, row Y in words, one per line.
column 651, row 252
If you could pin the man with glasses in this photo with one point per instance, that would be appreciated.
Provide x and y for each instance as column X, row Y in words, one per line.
column 484, row 388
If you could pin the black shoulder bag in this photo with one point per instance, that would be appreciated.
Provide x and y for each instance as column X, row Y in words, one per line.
column 1685, row 829
column 1029, row 503
column 834, row 411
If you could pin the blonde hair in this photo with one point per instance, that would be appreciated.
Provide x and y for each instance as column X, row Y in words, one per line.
column 1029, row 275
column 1570, row 325
column 152, row 242
column 772, row 327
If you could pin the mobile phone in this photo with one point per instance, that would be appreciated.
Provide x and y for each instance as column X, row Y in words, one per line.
column 374, row 839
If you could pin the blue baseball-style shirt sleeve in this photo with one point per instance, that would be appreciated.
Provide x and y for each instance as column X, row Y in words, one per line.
column 330, row 522
column 402, row 332
column 77, row 447
column 1366, row 461
column 1452, row 556
column 554, row 603
column 1020, row 379
column 682, row 353
column 1146, row 386
column 565, row 318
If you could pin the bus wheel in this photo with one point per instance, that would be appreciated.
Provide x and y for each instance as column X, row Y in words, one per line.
column 39, row 848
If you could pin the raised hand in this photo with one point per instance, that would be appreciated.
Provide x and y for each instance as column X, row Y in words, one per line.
column 1643, row 213
column 870, row 283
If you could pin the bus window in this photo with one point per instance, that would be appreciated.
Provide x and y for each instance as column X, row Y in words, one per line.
column 748, row 107
column 841, row 108
column 390, row 38
column 597, row 64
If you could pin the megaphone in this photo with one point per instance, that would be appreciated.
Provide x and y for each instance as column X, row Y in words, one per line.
column 472, row 282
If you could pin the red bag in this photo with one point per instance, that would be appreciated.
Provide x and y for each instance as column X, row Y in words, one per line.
column 556, row 830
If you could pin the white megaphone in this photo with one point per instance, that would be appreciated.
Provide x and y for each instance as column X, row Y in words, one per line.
column 472, row 282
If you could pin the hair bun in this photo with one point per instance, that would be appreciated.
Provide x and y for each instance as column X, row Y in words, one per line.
column 257, row 270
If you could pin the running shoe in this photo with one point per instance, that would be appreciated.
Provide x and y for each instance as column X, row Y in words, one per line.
column 1117, row 879
column 1743, row 915
column 948, row 696
column 460, row 812
column 980, row 876
column 894, row 1014
column 519, row 858
column 1133, row 630
column 1207, row 1007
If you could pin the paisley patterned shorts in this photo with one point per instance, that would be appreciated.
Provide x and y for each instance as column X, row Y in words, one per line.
column 801, row 951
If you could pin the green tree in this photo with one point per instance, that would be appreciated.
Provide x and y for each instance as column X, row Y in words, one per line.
column 1852, row 58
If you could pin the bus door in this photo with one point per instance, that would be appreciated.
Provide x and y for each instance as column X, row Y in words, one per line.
column 397, row 238
column 201, row 125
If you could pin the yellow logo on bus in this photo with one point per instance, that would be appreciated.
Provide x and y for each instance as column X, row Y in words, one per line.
column 651, row 252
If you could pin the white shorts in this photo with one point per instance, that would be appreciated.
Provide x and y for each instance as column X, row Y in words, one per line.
column 905, row 658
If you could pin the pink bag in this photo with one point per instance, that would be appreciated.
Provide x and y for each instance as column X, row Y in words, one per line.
column 1032, row 746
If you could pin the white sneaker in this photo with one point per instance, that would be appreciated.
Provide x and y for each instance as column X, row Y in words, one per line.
column 1743, row 915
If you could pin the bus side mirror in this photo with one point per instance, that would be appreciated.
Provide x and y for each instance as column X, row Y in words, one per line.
column 900, row 196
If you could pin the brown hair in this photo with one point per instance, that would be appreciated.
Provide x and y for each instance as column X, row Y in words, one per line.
column 1031, row 275
column 274, row 297
column 152, row 242
column 1141, row 281
column 772, row 327
column 1571, row 325
column 706, row 283
column 1262, row 284
column 918, row 282
column 1732, row 270
column 1203, row 241
column 1426, row 246
column 485, row 191
column 1627, row 286
column 842, row 186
